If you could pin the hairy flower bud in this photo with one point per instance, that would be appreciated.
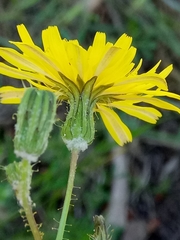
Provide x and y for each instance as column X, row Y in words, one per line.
column 100, row 231
column 78, row 130
column 19, row 175
column 35, row 118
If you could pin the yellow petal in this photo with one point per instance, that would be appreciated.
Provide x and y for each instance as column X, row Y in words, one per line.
column 99, row 40
column 153, row 70
column 11, row 95
column 159, row 93
column 124, row 41
column 106, row 60
column 15, row 100
column 76, row 55
column 16, row 73
column 150, row 100
column 20, row 61
column 55, row 47
column 24, row 35
column 117, row 66
column 161, row 104
column 118, row 130
column 136, row 69
column 96, row 53
column 144, row 78
column 164, row 73
column 37, row 57
column 147, row 114
column 15, row 58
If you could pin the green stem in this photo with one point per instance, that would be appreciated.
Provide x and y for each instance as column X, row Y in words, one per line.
column 27, row 206
column 72, row 171
column 32, row 223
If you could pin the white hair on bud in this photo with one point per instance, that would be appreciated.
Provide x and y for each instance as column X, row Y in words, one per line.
column 76, row 144
column 28, row 156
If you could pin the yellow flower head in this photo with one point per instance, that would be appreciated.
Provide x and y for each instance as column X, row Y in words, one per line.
column 99, row 79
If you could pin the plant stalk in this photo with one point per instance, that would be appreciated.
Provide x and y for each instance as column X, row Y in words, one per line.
column 72, row 171
column 32, row 223
column 27, row 207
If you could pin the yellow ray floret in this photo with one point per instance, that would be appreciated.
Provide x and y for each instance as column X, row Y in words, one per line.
column 101, row 78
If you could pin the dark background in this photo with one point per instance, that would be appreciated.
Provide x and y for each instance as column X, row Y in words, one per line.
column 141, row 199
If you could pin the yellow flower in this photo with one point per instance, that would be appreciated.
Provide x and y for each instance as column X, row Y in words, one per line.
column 99, row 79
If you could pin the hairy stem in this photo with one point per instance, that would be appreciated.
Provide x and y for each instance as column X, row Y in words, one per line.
column 27, row 207
column 32, row 223
column 62, row 224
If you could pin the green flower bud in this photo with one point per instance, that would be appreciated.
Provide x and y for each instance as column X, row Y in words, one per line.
column 35, row 118
column 78, row 130
column 19, row 175
column 100, row 231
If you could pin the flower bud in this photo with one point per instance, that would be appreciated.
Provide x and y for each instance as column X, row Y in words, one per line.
column 78, row 130
column 19, row 175
column 35, row 118
column 100, row 231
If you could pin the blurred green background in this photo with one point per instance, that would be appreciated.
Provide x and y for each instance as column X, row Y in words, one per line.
column 147, row 183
